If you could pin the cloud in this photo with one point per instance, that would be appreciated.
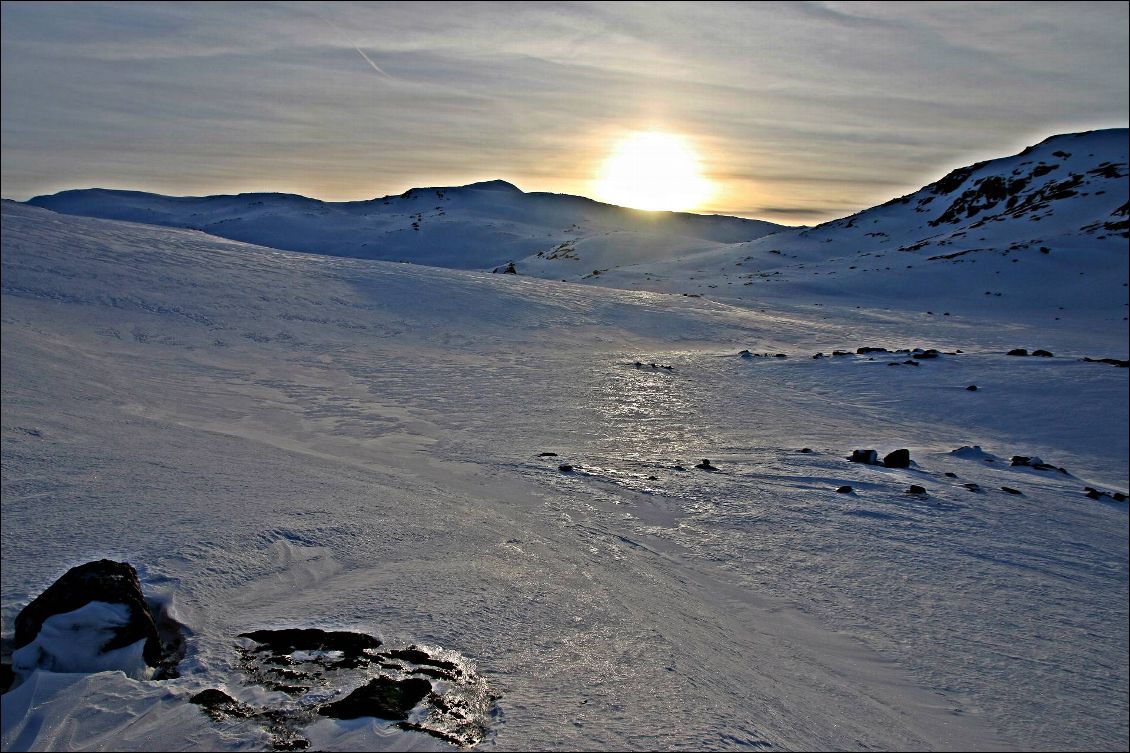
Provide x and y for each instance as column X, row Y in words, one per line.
column 807, row 107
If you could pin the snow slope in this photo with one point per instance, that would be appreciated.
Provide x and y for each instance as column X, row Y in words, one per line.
column 277, row 439
column 478, row 226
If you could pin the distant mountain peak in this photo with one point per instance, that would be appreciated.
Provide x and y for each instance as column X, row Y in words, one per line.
column 494, row 185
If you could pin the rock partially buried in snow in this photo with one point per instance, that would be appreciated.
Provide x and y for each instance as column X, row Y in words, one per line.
column 1018, row 352
column 418, row 688
column 897, row 459
column 844, row 490
column 973, row 453
column 705, row 465
column 867, row 457
column 95, row 618
column 381, row 697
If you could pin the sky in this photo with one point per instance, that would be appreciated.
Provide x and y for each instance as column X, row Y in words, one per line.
column 796, row 112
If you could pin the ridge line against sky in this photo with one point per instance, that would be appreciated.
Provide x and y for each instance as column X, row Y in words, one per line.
column 799, row 112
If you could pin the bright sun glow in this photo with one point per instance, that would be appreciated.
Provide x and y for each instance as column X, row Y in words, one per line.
column 653, row 170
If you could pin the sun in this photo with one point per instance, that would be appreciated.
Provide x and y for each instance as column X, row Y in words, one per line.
column 653, row 170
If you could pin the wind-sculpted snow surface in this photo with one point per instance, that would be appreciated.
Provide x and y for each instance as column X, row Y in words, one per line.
column 278, row 440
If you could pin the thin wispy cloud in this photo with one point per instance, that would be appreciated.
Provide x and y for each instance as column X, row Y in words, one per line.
column 792, row 107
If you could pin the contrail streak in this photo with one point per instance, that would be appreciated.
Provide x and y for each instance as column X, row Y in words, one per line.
column 360, row 52
column 376, row 67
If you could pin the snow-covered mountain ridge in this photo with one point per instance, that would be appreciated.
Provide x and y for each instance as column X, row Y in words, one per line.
column 1042, row 233
column 478, row 226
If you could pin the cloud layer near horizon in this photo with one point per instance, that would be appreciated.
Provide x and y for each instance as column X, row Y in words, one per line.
column 800, row 111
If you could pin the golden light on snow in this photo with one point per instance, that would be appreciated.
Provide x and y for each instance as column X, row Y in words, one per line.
column 653, row 170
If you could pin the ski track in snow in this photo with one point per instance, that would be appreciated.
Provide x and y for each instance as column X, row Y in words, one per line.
column 276, row 439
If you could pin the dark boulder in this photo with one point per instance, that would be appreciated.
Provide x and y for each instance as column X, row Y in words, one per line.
column 1042, row 353
column 806, row 450
column 931, row 353
column 381, row 697
column 1118, row 497
column 547, row 454
column 972, row 388
column 1010, row 490
column 897, row 459
column 1018, row 352
column 705, row 465
column 865, row 350
column 844, row 490
column 106, row 581
column 867, row 457
column 289, row 640
column 745, row 354
column 916, row 489
column 219, row 705
column 565, row 468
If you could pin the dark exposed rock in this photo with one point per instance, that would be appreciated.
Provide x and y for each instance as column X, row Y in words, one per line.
column 781, row 355
column 1042, row 353
column 867, row 349
column 1095, row 493
column 916, row 489
column 806, row 449
column 844, row 490
column 1112, row 361
column 931, row 353
column 897, row 459
column 381, row 687
column 219, row 705
column 910, row 363
column 565, row 468
column 547, row 454
column 381, row 697
column 972, row 487
column 311, row 639
column 1118, row 497
column 678, row 468
column 1021, row 460
column 705, row 465
column 1010, row 490
column 971, row 388
column 867, row 457
column 105, row 581
column 1018, row 352
column 416, row 656
column 950, row 474
column 745, row 354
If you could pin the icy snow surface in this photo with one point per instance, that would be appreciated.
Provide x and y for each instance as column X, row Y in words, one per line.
column 286, row 440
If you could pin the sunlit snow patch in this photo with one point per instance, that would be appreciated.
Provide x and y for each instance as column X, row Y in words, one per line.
column 72, row 642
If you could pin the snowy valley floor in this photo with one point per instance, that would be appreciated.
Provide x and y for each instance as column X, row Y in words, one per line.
column 276, row 439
